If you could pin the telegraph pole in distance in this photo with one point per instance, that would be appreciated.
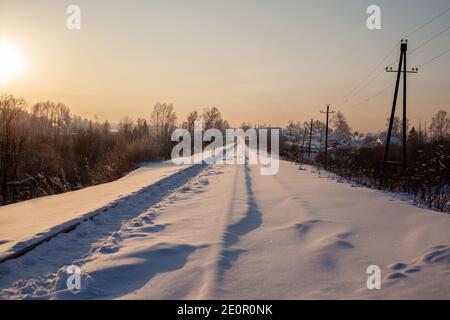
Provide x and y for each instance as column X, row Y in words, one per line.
column 401, row 65
column 305, row 130
column 310, row 141
column 326, row 133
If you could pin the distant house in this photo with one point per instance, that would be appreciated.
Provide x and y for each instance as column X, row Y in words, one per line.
column 369, row 140
column 333, row 140
column 383, row 138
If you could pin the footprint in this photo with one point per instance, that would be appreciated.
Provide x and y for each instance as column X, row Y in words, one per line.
column 152, row 229
column 344, row 244
column 109, row 249
column 306, row 226
column 438, row 254
column 442, row 254
column 344, row 235
column 303, row 228
column 413, row 270
column 136, row 235
column 137, row 224
column 398, row 266
column 396, row 276
column 443, row 258
column 147, row 219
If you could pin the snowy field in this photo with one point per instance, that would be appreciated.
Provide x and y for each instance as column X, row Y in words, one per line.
column 226, row 232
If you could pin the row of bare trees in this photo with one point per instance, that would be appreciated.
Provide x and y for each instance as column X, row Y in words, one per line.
column 427, row 177
column 45, row 150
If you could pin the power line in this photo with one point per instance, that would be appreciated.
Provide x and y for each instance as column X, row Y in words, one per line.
column 367, row 99
column 429, row 40
column 328, row 112
column 390, row 85
column 435, row 58
column 379, row 92
column 427, row 23
column 400, row 71
column 363, row 87
column 351, row 93
column 310, row 141
column 365, row 82
column 423, row 44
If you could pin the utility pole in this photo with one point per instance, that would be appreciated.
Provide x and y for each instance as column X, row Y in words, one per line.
column 305, row 130
column 310, row 141
column 320, row 140
column 326, row 133
column 401, row 65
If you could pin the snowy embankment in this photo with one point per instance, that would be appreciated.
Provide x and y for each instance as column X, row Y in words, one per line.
column 26, row 223
column 225, row 231
column 29, row 223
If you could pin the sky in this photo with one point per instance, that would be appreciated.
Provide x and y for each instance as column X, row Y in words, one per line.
column 259, row 61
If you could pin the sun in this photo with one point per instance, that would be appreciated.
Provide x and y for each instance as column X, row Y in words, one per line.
column 10, row 62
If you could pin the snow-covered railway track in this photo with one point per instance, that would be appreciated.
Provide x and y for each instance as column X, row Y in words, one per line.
column 170, row 182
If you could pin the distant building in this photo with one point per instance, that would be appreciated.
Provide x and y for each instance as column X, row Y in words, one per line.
column 394, row 139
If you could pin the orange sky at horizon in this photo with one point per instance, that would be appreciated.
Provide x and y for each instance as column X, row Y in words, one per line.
column 262, row 62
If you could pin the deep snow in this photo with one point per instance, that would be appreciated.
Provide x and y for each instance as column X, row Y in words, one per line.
column 27, row 222
column 226, row 232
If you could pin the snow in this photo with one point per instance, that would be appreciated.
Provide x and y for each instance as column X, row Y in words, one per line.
column 27, row 222
column 227, row 232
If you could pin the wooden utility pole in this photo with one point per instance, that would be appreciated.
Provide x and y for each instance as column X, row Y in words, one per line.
column 401, row 65
column 305, row 130
column 310, row 141
column 326, row 133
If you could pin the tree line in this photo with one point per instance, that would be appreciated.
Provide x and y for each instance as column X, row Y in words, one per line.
column 45, row 150
column 427, row 177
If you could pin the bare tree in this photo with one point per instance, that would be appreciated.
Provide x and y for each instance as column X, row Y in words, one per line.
column 126, row 126
column 163, row 121
column 51, row 118
column 440, row 124
column 192, row 117
column 340, row 126
column 212, row 118
column 397, row 126
column 12, row 140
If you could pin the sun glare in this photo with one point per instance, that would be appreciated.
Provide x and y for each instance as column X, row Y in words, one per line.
column 10, row 61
